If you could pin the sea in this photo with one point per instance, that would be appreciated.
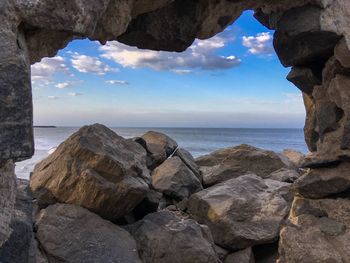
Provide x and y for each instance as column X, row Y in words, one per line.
column 198, row 141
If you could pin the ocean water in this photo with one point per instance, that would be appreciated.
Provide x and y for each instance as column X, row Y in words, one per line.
column 199, row 141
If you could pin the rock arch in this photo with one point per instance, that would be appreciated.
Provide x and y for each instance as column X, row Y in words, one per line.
column 311, row 36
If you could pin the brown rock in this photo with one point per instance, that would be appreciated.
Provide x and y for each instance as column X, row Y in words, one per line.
column 284, row 175
column 94, row 168
column 73, row 234
column 159, row 147
column 174, row 179
column 188, row 159
column 295, row 157
column 242, row 212
column 233, row 162
column 322, row 182
column 168, row 237
column 318, row 232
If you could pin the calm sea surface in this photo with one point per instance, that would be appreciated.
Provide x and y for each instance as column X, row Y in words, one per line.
column 198, row 141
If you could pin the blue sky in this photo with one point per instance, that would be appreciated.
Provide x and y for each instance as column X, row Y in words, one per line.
column 231, row 80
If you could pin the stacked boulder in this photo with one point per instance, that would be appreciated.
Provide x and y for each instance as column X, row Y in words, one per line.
column 102, row 198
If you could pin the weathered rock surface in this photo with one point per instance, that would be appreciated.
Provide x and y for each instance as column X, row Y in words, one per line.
column 69, row 233
column 94, row 168
column 242, row 212
column 284, row 175
column 159, row 147
column 7, row 198
column 242, row 256
column 170, row 238
column 304, row 79
column 174, row 179
column 295, row 157
column 233, row 162
column 318, row 232
column 17, row 247
column 322, row 182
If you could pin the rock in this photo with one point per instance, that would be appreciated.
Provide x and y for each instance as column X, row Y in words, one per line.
column 267, row 253
column 304, row 79
column 322, row 182
column 7, row 198
column 303, row 37
column 188, row 159
column 148, row 205
column 284, row 175
column 233, row 162
column 342, row 52
column 242, row 212
column 94, row 168
column 318, row 232
column 295, row 157
column 221, row 252
column 17, row 247
column 242, row 256
column 310, row 133
column 170, row 238
column 174, row 179
column 73, row 234
column 159, row 147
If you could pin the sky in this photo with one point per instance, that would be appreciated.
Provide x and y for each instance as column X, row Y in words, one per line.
column 233, row 80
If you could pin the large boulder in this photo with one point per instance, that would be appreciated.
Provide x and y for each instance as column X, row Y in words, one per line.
column 94, row 168
column 174, row 179
column 159, row 147
column 319, row 231
column 18, row 247
column 284, row 175
column 169, row 237
column 71, row 234
column 232, row 162
column 322, row 182
column 242, row 212
column 7, row 198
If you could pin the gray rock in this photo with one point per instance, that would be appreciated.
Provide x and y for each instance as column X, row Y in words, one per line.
column 170, row 237
column 72, row 234
column 94, row 168
column 304, row 79
column 17, row 247
column 242, row 212
column 159, row 147
column 322, row 182
column 7, row 198
column 174, row 179
column 342, row 53
column 242, row 256
column 284, row 175
column 188, row 159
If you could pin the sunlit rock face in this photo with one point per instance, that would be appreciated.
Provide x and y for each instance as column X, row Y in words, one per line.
column 311, row 36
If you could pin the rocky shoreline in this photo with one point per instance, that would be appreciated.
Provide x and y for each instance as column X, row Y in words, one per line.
column 102, row 198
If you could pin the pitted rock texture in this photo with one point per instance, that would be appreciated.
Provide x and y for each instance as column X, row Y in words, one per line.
column 7, row 198
column 318, row 232
column 96, row 169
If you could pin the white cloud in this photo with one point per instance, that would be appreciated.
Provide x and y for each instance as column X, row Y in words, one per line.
column 201, row 55
column 117, row 82
column 44, row 71
column 260, row 44
column 53, row 97
column 87, row 64
column 182, row 71
column 75, row 94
